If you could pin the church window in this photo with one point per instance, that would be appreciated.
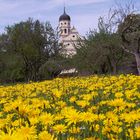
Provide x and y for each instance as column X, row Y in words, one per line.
column 68, row 44
column 65, row 30
column 61, row 23
column 65, row 23
column 73, row 35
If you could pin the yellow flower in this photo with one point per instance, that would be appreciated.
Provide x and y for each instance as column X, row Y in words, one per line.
column 45, row 135
column 2, row 122
column 118, row 95
column 87, row 97
column 60, row 128
column 15, row 123
column 131, row 134
column 82, row 103
column 89, row 117
column 117, row 102
column 72, row 99
column 46, row 118
column 27, row 132
column 57, row 93
column 130, row 117
column 101, row 117
column 58, row 116
column 7, row 137
column 10, row 136
column 61, row 104
column 34, row 120
column 97, row 127
column 74, row 130
column 138, row 132
column 72, row 138
column 116, row 129
column 72, row 117
column 91, row 138
column 94, row 105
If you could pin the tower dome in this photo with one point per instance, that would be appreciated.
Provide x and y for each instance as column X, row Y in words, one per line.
column 64, row 16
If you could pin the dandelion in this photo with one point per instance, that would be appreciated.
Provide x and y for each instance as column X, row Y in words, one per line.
column 138, row 132
column 45, row 135
column 59, row 128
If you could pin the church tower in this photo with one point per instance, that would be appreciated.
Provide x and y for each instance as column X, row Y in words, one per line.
column 68, row 35
column 64, row 24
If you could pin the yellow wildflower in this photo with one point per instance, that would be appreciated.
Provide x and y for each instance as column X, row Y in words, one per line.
column 60, row 128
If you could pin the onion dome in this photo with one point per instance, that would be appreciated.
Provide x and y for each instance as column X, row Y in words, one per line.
column 64, row 16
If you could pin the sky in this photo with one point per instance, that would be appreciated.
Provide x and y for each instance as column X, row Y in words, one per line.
column 84, row 13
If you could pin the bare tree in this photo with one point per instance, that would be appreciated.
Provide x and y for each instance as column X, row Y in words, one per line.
column 125, row 20
column 129, row 31
column 118, row 13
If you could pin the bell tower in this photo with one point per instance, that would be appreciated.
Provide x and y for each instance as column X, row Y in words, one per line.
column 68, row 36
column 64, row 24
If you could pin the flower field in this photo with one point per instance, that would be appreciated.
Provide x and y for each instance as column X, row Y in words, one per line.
column 85, row 108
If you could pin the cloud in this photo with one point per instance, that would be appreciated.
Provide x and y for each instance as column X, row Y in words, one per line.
column 77, row 2
column 13, row 11
column 84, row 13
column 25, row 6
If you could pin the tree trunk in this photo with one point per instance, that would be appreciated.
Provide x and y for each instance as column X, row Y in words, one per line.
column 114, row 69
column 137, row 57
column 112, row 65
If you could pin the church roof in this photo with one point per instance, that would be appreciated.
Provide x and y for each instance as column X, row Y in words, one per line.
column 64, row 16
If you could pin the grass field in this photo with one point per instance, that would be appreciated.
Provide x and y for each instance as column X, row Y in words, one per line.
column 86, row 108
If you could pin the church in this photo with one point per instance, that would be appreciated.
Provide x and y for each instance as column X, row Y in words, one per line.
column 68, row 35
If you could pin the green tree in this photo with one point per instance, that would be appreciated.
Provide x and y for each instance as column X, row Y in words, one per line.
column 50, row 69
column 34, row 43
column 100, row 52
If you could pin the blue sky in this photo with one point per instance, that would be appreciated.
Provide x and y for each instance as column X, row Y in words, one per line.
column 84, row 13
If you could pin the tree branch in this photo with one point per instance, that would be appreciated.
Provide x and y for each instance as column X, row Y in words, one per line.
column 126, row 50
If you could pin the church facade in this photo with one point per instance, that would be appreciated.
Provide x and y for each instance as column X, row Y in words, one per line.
column 68, row 35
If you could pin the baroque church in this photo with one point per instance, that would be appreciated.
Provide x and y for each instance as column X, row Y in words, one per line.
column 68, row 35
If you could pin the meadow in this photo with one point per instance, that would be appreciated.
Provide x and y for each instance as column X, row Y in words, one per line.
column 81, row 108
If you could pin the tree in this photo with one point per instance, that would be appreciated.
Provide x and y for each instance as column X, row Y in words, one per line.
column 50, row 69
column 129, row 31
column 34, row 43
column 116, row 17
column 100, row 52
